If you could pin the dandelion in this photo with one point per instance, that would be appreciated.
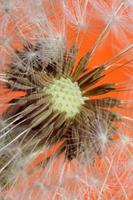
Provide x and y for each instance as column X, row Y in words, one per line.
column 62, row 128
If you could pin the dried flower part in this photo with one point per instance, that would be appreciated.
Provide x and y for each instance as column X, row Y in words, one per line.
column 56, row 107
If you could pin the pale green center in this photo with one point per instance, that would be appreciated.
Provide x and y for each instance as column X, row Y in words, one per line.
column 66, row 96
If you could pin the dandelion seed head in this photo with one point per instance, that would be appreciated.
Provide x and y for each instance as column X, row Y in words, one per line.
column 94, row 181
column 78, row 14
column 115, row 18
column 102, row 132
column 52, row 48
column 125, row 140
column 5, row 41
column 7, row 6
column 31, row 55
column 103, row 139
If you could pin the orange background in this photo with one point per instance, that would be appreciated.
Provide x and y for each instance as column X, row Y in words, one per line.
column 103, row 53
